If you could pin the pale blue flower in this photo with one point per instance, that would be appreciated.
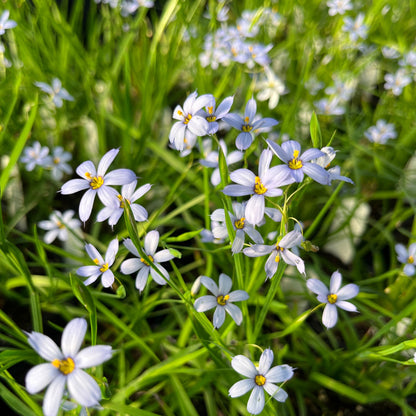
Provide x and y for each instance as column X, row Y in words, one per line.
column 260, row 378
column 213, row 114
column 141, row 265
column 338, row 6
column 397, row 81
column 58, row 165
column 189, row 119
column 97, row 182
column 334, row 172
column 298, row 164
column 407, row 257
column 64, row 372
column 102, row 266
column 58, row 224
column 267, row 183
column 128, row 195
column 248, row 125
column 211, row 161
column 329, row 107
column 355, row 27
column 381, row 132
column 5, row 23
column 240, row 225
column 130, row 6
column 334, row 298
column 221, row 299
column 56, row 92
column 35, row 155
column 278, row 251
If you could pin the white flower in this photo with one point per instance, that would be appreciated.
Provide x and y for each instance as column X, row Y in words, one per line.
column 56, row 92
column 334, row 297
column 259, row 379
column 128, row 196
column 280, row 249
column 338, row 6
column 140, row 264
column 270, row 87
column 396, row 82
column 36, row 155
column 5, row 23
column 64, row 372
column 356, row 28
column 102, row 267
column 222, row 300
column 381, row 132
column 58, row 225
column 58, row 164
column 407, row 257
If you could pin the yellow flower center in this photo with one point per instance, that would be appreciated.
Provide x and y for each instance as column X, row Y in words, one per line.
column 295, row 163
column 56, row 160
column 222, row 300
column 411, row 260
column 60, row 225
column 260, row 380
column 146, row 262
column 240, row 223
column 259, row 188
column 210, row 109
column 332, row 298
column 66, row 366
column 123, row 201
column 188, row 118
column 211, row 118
column 104, row 268
column 95, row 181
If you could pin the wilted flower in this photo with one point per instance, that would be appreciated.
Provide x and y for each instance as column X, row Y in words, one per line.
column 334, row 297
column 297, row 163
column 128, row 196
column 102, row 266
column 64, row 372
column 36, row 155
column 222, row 300
column 97, row 183
column 277, row 251
column 56, row 91
column 189, row 119
column 142, row 265
column 58, row 225
column 259, row 379
column 381, row 132
column 407, row 257
column 248, row 125
column 267, row 183
column 5, row 23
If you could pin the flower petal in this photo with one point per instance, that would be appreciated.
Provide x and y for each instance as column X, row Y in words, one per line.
column 335, row 283
column 243, row 177
column 279, row 374
column 106, row 161
column 225, row 284
column 265, row 362
column 219, row 316
column 238, row 296
column 150, row 242
column 205, row 303
column 162, row 256
column 73, row 336
column 330, row 315
column 241, row 387
column 156, row 275
column 318, row 287
column 130, row 266
column 44, row 346
column 40, row 376
column 276, row 392
column 120, row 177
column 255, row 209
column 53, row 396
column 142, row 277
column 244, row 366
column 93, row 356
column 235, row 313
column 83, row 388
column 107, row 278
column 347, row 292
column 210, row 285
column 347, row 306
column 85, row 205
column 255, row 403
